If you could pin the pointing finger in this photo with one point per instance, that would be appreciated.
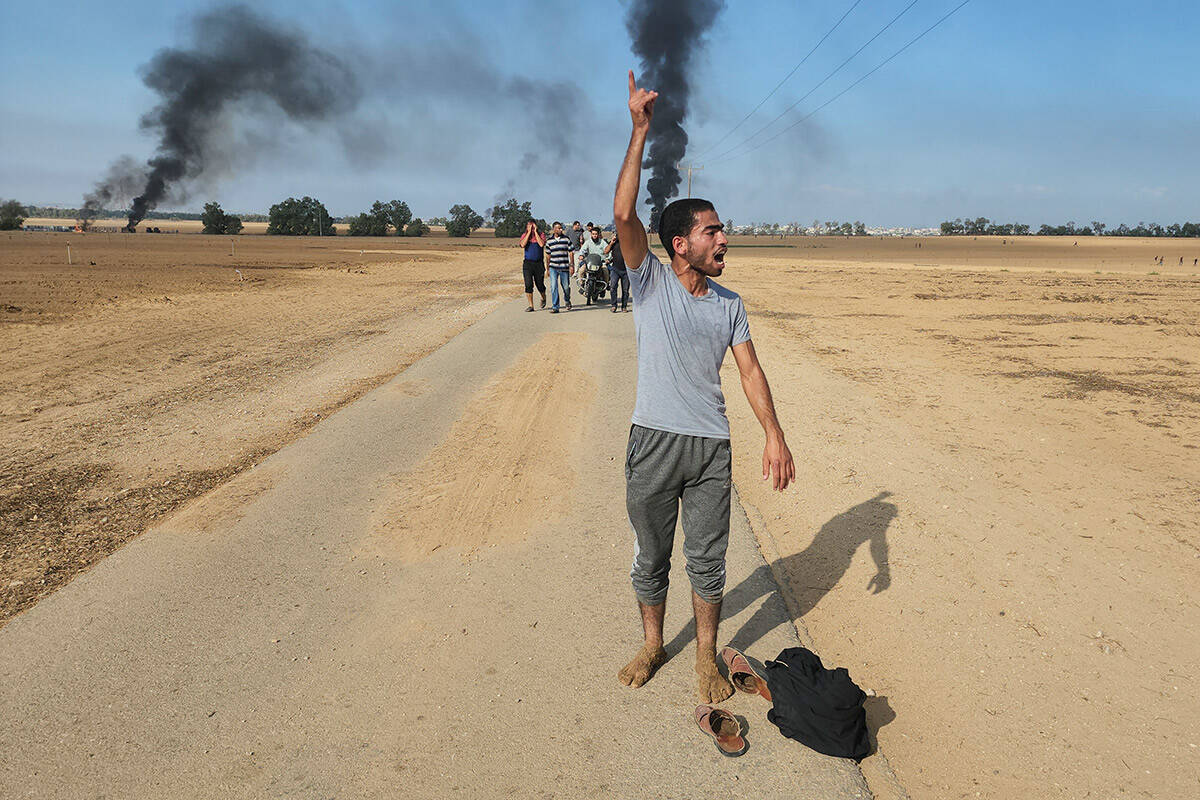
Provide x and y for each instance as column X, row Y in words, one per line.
column 632, row 85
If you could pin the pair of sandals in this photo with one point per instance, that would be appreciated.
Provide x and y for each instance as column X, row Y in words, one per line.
column 722, row 726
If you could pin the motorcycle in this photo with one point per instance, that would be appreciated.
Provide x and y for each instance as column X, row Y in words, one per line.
column 593, row 279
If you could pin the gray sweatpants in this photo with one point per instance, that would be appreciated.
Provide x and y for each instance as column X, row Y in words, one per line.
column 663, row 472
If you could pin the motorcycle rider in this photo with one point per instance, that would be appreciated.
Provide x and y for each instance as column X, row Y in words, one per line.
column 591, row 255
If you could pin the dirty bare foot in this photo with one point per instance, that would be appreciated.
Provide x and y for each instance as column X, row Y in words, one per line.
column 711, row 686
column 644, row 665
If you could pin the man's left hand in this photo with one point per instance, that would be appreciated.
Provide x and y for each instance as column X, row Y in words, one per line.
column 777, row 464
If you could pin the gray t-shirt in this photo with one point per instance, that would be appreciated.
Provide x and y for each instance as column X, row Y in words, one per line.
column 681, row 342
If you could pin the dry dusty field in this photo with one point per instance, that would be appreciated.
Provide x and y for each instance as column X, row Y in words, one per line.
column 997, row 523
column 157, row 367
column 997, row 443
column 167, row 226
column 171, row 226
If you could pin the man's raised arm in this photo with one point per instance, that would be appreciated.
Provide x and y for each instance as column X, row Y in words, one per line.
column 630, row 232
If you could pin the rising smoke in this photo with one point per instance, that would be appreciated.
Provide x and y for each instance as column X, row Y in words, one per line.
column 667, row 35
column 238, row 60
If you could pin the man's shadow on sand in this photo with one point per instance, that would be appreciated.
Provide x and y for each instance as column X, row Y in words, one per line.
column 810, row 575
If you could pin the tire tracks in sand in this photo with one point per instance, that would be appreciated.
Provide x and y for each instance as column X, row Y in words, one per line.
column 504, row 467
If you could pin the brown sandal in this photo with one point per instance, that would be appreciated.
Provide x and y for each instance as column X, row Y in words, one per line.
column 725, row 730
column 742, row 674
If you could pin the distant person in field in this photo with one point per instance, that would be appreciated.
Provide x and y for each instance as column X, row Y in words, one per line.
column 618, row 275
column 533, row 241
column 678, row 459
column 559, row 260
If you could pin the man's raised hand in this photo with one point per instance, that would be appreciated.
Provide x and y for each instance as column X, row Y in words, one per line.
column 641, row 104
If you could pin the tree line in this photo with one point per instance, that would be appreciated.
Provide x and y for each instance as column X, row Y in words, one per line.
column 982, row 226
column 308, row 217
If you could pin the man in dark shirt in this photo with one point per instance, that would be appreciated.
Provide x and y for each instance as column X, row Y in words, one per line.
column 577, row 234
column 617, row 275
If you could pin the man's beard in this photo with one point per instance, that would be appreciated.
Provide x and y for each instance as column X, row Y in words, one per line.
column 709, row 267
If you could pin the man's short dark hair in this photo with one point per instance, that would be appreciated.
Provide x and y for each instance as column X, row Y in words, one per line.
column 576, row 222
column 590, row 225
column 678, row 219
column 556, row 222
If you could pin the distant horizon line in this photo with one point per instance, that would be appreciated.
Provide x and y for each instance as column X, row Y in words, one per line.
column 164, row 214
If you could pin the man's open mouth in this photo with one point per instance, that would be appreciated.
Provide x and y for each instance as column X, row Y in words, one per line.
column 719, row 257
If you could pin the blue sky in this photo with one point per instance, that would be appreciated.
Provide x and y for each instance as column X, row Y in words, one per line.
column 1027, row 111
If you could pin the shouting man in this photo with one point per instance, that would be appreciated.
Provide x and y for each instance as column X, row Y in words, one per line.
column 678, row 453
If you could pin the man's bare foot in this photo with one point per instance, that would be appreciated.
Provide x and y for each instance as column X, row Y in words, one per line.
column 711, row 687
column 644, row 665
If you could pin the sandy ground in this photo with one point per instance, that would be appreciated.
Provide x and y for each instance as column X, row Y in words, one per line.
column 441, row 504
column 996, row 439
column 997, row 519
column 133, row 385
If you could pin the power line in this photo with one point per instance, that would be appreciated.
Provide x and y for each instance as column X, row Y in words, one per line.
column 877, row 67
column 782, row 82
column 823, row 81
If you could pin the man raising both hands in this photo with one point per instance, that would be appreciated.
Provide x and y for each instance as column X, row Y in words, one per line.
column 678, row 454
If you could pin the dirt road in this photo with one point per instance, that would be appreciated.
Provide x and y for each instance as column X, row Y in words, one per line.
column 427, row 595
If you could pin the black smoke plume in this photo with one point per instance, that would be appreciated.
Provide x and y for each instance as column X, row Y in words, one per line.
column 667, row 35
column 238, row 60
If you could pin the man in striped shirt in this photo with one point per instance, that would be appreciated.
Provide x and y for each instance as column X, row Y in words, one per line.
column 558, row 266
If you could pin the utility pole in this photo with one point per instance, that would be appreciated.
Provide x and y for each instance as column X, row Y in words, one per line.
column 689, row 168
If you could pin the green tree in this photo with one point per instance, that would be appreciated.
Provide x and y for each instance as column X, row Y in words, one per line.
column 216, row 221
column 398, row 214
column 213, row 218
column 370, row 223
column 977, row 226
column 511, row 217
column 463, row 220
column 955, row 228
column 416, row 228
column 303, row 217
column 362, row 225
column 12, row 215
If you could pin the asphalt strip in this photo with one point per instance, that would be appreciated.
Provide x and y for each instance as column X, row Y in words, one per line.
column 278, row 637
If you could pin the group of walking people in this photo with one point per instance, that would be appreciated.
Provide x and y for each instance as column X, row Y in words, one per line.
column 557, row 257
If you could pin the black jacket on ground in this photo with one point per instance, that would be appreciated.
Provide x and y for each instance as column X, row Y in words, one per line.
column 818, row 707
